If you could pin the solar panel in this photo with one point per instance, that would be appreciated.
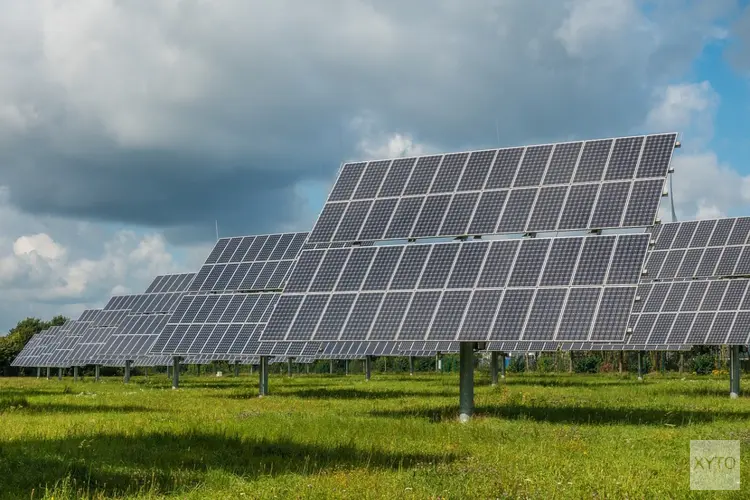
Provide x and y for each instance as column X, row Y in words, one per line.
column 419, row 348
column 523, row 347
column 695, row 289
column 701, row 312
column 709, row 248
column 566, row 186
column 47, row 347
column 442, row 297
column 248, row 263
column 28, row 355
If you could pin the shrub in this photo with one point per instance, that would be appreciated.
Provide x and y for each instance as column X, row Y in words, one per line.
column 516, row 364
column 703, row 364
column 545, row 364
column 589, row 364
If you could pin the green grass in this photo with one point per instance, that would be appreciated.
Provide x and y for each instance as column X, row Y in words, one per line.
column 534, row 436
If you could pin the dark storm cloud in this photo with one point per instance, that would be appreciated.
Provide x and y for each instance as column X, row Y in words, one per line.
column 174, row 115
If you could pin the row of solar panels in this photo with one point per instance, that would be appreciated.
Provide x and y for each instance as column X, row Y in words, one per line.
column 32, row 356
column 598, row 184
column 534, row 290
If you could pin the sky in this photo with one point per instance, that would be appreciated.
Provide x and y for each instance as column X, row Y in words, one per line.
column 129, row 129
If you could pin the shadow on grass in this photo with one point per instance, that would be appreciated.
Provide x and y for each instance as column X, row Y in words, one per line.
column 583, row 415
column 556, row 382
column 686, row 390
column 164, row 464
column 336, row 393
column 23, row 406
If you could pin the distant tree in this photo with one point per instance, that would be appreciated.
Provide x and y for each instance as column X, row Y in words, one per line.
column 13, row 343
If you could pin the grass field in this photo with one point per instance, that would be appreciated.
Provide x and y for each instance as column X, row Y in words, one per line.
column 534, row 436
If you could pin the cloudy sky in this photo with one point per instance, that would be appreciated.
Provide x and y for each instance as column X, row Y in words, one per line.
column 128, row 128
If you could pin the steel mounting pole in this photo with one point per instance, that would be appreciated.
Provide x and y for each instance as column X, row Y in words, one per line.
column 175, row 372
column 493, row 367
column 263, row 377
column 734, row 371
column 466, row 383
column 640, row 366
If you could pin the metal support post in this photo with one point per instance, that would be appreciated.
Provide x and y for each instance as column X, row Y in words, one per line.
column 734, row 371
column 466, row 383
column 59, row 374
column 502, row 366
column 346, row 367
column 127, row 372
column 97, row 373
column 75, row 374
column 682, row 363
column 289, row 367
column 330, row 367
column 411, row 365
column 620, row 362
column 437, row 362
column 38, row 372
column 368, row 367
column 175, row 373
column 236, row 369
column 198, row 369
column 48, row 372
column 493, row 367
column 263, row 376
column 640, row 366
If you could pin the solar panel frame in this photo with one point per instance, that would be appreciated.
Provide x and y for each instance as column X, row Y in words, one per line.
column 426, row 182
column 420, row 324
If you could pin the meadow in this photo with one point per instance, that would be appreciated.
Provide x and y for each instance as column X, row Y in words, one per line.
column 397, row 436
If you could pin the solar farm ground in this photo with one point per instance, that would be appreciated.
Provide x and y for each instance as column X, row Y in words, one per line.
column 317, row 436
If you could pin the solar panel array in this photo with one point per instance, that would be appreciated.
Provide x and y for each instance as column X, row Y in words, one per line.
column 597, row 184
column 220, row 325
column 574, row 288
column 30, row 352
column 48, row 347
column 695, row 289
column 232, row 299
column 357, row 350
column 580, row 346
column 700, row 312
column 700, row 249
column 249, row 263
column 130, row 324
column 422, row 348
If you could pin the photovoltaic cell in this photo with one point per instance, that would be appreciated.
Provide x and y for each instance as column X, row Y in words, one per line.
column 504, row 170
column 422, row 175
column 449, row 173
column 476, row 170
column 563, row 162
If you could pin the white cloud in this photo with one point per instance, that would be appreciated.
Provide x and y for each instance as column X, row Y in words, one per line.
column 689, row 107
column 374, row 143
column 40, row 245
column 703, row 186
column 52, row 266
column 595, row 28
